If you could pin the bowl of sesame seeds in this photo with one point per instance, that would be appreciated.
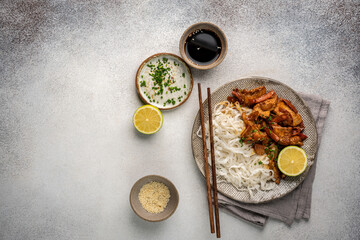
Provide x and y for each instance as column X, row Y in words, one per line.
column 154, row 198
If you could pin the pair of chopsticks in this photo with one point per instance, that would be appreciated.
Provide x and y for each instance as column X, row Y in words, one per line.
column 206, row 165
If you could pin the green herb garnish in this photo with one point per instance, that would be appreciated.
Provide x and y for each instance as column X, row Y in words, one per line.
column 241, row 142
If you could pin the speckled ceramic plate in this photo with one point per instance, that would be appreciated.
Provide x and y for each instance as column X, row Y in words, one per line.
column 310, row 144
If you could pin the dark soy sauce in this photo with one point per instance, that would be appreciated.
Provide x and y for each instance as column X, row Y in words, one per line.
column 203, row 47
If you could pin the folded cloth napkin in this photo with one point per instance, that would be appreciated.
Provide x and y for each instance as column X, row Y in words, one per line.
column 295, row 205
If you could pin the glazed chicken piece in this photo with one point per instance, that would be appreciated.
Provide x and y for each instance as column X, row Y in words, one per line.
column 232, row 99
column 285, row 107
column 251, row 118
column 259, row 149
column 252, row 132
column 272, row 152
column 285, row 135
column 277, row 173
column 265, row 96
column 266, row 106
column 248, row 98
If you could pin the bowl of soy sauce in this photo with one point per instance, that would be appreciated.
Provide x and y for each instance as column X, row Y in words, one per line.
column 203, row 45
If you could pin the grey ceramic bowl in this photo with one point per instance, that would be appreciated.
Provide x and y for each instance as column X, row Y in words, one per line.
column 203, row 26
column 153, row 217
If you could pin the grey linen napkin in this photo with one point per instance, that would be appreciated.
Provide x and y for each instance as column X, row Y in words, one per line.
column 295, row 205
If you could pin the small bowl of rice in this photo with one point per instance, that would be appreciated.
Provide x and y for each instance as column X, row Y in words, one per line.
column 154, row 198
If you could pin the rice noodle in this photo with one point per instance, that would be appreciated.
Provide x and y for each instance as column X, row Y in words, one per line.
column 236, row 162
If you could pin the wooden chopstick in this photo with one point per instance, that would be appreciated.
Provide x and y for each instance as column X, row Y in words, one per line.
column 206, row 163
column 213, row 167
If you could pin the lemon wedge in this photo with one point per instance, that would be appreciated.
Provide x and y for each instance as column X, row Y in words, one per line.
column 292, row 161
column 148, row 119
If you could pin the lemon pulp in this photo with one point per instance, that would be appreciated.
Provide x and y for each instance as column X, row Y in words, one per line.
column 292, row 161
column 148, row 119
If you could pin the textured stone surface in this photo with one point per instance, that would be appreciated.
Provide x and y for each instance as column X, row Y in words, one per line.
column 69, row 153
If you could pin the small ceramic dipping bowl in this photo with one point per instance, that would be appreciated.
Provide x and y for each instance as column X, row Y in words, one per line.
column 141, row 212
column 203, row 46
column 149, row 90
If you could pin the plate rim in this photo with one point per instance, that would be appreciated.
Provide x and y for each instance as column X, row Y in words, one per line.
column 252, row 77
column 144, row 100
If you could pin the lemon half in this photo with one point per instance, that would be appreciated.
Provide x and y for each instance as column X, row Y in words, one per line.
column 292, row 161
column 148, row 119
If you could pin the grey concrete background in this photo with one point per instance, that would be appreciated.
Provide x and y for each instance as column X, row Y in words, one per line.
column 69, row 153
